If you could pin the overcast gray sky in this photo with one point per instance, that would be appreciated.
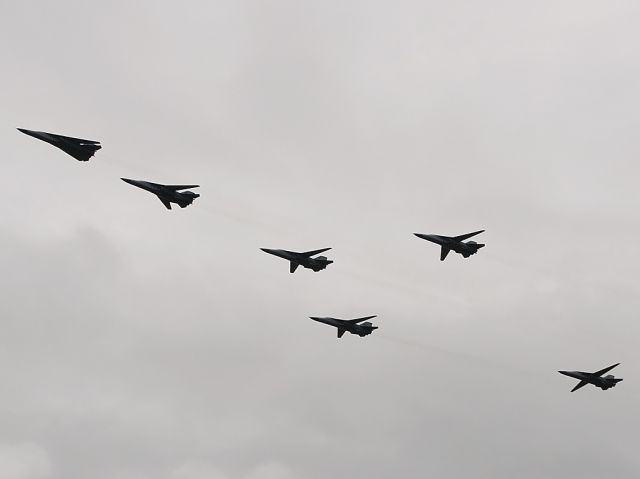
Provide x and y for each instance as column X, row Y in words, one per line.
column 141, row 343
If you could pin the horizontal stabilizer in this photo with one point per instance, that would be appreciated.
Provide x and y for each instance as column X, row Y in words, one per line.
column 467, row 236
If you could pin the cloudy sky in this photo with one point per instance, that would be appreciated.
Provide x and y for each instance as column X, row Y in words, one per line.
column 141, row 343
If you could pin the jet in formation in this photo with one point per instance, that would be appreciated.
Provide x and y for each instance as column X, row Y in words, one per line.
column 302, row 259
column 455, row 243
column 167, row 193
column 596, row 378
column 81, row 150
column 354, row 326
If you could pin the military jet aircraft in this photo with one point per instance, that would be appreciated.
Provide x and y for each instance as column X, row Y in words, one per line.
column 80, row 149
column 596, row 378
column 351, row 325
column 455, row 243
column 167, row 193
column 302, row 259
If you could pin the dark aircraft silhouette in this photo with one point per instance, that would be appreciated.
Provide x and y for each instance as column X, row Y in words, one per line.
column 302, row 259
column 167, row 193
column 455, row 243
column 351, row 325
column 596, row 378
column 80, row 149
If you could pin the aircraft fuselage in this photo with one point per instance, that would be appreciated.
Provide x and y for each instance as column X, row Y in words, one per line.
column 360, row 329
column 460, row 247
column 602, row 382
column 81, row 150
column 316, row 264
column 181, row 198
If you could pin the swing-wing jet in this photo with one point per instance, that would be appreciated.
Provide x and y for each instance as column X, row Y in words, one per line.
column 81, row 150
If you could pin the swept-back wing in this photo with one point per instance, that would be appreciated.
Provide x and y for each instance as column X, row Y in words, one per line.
column 341, row 332
column 314, row 252
column 180, row 187
column 605, row 370
column 359, row 320
column 165, row 202
column 467, row 236
column 579, row 385
column 79, row 140
column 84, row 153
column 444, row 252
column 293, row 266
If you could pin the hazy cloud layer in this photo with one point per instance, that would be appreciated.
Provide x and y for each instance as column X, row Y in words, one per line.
column 140, row 343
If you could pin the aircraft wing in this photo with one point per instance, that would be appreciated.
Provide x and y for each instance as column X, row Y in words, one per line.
column 308, row 254
column 358, row 320
column 444, row 252
column 605, row 370
column 341, row 331
column 579, row 385
column 79, row 140
column 467, row 236
column 180, row 187
column 293, row 266
column 165, row 202
column 84, row 154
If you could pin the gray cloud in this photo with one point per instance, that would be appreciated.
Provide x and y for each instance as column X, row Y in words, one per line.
column 139, row 343
column 24, row 461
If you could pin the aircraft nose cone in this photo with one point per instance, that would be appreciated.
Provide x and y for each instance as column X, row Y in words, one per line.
column 425, row 237
column 35, row 134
